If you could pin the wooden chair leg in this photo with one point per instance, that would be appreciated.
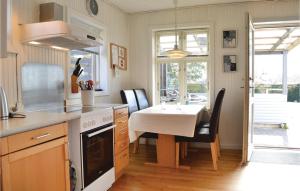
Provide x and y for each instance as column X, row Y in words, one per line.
column 136, row 146
column 218, row 145
column 185, row 149
column 214, row 154
column 177, row 155
column 181, row 148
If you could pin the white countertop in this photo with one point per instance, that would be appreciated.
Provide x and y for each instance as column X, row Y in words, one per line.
column 40, row 119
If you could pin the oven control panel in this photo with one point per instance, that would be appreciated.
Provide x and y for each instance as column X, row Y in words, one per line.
column 96, row 119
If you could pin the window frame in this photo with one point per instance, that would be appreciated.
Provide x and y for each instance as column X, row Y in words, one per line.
column 158, row 59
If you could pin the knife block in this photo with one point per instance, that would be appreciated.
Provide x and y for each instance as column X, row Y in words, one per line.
column 74, row 85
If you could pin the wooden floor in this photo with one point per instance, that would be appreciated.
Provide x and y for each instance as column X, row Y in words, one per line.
column 230, row 176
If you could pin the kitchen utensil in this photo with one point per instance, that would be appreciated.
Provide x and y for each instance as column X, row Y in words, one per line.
column 80, row 72
column 77, row 62
column 77, row 68
column 4, row 109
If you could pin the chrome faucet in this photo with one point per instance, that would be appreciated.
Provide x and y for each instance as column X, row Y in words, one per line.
column 4, row 109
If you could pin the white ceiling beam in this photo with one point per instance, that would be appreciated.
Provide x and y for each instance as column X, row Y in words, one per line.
column 294, row 44
column 286, row 35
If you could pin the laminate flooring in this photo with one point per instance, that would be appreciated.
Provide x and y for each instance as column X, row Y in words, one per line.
column 231, row 176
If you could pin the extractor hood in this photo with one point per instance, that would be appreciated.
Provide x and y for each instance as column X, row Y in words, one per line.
column 58, row 35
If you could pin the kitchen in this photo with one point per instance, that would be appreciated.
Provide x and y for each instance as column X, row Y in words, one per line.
column 127, row 95
column 37, row 84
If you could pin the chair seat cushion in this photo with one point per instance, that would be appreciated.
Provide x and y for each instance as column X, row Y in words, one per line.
column 202, row 134
column 149, row 135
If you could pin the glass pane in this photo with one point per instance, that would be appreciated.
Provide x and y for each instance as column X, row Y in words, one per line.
column 197, row 43
column 90, row 63
column 169, row 83
column 197, row 83
column 85, row 62
column 268, row 73
column 166, row 43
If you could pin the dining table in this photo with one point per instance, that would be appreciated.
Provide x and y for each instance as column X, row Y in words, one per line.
column 167, row 121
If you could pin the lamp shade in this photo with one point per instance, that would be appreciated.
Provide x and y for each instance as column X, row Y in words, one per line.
column 176, row 53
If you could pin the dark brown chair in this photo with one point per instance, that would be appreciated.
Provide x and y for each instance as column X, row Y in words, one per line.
column 136, row 100
column 128, row 97
column 207, row 132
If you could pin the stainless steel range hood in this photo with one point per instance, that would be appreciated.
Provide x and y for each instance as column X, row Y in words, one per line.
column 58, row 35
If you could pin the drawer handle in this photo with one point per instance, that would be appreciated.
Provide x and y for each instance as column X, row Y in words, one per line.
column 41, row 136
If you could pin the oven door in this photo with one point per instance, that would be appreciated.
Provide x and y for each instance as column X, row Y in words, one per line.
column 97, row 153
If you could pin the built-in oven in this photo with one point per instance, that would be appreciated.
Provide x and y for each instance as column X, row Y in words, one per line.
column 91, row 139
column 97, row 153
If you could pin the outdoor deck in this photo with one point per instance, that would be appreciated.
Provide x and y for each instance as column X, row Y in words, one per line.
column 278, row 137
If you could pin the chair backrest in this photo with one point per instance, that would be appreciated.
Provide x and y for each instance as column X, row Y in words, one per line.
column 215, row 116
column 141, row 97
column 128, row 97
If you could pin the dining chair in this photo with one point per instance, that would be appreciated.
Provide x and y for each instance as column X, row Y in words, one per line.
column 128, row 97
column 143, row 103
column 207, row 132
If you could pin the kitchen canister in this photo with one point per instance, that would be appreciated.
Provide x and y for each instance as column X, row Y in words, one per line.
column 87, row 97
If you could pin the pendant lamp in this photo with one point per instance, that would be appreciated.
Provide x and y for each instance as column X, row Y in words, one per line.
column 176, row 52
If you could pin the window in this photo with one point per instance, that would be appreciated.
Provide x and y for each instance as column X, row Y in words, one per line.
column 93, row 67
column 183, row 80
column 90, row 62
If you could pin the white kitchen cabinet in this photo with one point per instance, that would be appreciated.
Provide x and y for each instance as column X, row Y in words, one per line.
column 3, row 29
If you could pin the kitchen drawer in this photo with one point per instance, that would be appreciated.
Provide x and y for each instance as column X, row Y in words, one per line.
column 121, row 133
column 122, row 112
column 121, row 146
column 121, row 161
column 34, row 137
column 3, row 146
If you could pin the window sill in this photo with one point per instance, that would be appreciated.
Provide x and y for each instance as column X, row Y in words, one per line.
column 101, row 93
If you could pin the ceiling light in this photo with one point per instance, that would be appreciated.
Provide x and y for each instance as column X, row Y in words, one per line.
column 176, row 52
column 34, row 42
column 59, row 48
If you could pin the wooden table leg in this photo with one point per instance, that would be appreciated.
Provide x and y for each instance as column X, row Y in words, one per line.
column 166, row 152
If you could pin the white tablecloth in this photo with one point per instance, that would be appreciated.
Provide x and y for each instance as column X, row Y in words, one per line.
column 165, row 119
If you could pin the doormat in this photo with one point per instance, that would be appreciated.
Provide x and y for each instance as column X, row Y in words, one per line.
column 276, row 156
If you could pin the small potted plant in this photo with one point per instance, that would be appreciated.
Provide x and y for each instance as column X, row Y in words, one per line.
column 87, row 92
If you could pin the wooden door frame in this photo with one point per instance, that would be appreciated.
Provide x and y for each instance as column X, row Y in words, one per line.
column 246, row 96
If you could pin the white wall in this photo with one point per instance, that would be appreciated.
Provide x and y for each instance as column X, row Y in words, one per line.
column 227, row 16
column 27, row 11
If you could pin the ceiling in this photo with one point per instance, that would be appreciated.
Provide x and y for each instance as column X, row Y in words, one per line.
column 134, row 6
column 276, row 39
